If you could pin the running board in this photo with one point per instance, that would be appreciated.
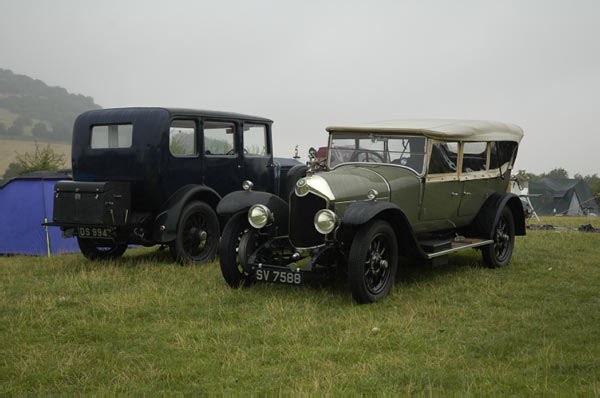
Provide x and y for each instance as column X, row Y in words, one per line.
column 460, row 245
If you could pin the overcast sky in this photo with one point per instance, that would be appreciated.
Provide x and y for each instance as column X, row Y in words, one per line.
column 310, row 64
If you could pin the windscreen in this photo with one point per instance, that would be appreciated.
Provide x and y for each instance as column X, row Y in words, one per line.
column 408, row 151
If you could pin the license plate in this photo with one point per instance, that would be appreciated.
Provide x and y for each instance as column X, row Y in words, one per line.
column 96, row 232
column 278, row 276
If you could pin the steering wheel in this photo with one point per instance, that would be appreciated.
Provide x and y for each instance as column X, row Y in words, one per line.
column 375, row 157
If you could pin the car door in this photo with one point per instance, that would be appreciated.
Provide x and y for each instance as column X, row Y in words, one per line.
column 442, row 190
column 258, row 156
column 475, row 179
column 222, row 159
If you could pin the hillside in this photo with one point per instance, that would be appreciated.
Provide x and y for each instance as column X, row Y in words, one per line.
column 32, row 110
column 10, row 148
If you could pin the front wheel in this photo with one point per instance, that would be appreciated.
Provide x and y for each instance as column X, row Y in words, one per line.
column 235, row 233
column 98, row 249
column 197, row 235
column 373, row 262
column 498, row 254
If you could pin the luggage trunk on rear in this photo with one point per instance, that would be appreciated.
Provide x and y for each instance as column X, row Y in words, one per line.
column 92, row 203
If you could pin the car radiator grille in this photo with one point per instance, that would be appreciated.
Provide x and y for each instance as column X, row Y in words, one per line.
column 302, row 214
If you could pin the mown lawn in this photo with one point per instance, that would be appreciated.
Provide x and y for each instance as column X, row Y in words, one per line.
column 145, row 325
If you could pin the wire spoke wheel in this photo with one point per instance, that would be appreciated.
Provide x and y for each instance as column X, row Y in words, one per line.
column 373, row 262
column 235, row 244
column 376, row 265
column 499, row 253
column 98, row 249
column 197, row 234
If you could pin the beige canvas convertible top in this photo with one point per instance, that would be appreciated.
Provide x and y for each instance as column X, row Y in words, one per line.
column 441, row 129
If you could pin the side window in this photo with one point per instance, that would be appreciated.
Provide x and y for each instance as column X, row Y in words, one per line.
column 407, row 151
column 219, row 138
column 444, row 156
column 501, row 154
column 474, row 156
column 111, row 136
column 182, row 138
column 255, row 139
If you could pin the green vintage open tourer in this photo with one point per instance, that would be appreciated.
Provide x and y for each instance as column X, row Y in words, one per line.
column 413, row 188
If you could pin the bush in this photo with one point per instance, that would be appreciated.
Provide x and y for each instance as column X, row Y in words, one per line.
column 43, row 158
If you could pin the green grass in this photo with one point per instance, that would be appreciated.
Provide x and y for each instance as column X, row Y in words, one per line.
column 143, row 324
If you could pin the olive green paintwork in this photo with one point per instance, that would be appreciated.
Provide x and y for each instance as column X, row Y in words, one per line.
column 352, row 182
column 428, row 206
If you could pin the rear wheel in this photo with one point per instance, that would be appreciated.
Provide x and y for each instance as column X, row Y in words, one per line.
column 98, row 249
column 372, row 262
column 499, row 253
column 236, row 233
column 197, row 235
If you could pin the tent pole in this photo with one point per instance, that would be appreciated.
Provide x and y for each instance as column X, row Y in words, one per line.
column 47, row 236
column 45, row 216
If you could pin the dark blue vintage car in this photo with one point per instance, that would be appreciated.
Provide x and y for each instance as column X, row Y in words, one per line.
column 155, row 176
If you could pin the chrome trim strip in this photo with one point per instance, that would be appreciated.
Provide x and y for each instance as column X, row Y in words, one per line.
column 455, row 249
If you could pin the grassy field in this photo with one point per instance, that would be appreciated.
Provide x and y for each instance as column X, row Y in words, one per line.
column 9, row 148
column 144, row 324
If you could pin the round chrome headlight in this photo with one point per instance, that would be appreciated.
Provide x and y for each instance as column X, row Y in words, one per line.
column 259, row 216
column 247, row 185
column 301, row 187
column 325, row 221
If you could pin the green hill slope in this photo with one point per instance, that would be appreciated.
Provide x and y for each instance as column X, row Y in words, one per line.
column 32, row 110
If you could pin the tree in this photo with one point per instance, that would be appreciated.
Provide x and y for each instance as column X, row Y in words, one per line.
column 3, row 130
column 18, row 125
column 43, row 158
column 40, row 130
column 13, row 170
column 60, row 130
column 557, row 172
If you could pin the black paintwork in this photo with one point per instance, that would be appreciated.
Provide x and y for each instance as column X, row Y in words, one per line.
column 155, row 174
column 160, row 184
column 488, row 215
column 236, row 202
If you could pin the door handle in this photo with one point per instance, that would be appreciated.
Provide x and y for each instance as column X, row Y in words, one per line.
column 453, row 193
column 466, row 193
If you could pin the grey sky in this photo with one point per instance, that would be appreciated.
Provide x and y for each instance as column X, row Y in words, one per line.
column 309, row 64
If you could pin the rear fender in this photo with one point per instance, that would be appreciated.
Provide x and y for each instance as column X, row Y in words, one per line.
column 165, row 225
column 241, row 201
column 491, row 210
column 359, row 213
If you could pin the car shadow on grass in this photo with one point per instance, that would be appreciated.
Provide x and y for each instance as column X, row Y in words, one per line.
column 416, row 270
column 133, row 258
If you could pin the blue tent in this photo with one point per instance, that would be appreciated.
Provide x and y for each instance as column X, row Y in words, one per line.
column 25, row 203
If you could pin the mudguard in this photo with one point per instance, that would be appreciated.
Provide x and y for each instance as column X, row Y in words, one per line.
column 488, row 215
column 362, row 212
column 242, row 200
column 170, row 211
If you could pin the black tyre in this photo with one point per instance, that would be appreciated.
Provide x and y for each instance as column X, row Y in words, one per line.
column 98, row 249
column 197, row 235
column 498, row 254
column 372, row 262
column 229, row 251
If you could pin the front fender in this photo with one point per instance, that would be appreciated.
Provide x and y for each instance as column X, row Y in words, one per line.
column 242, row 200
column 165, row 223
column 361, row 212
